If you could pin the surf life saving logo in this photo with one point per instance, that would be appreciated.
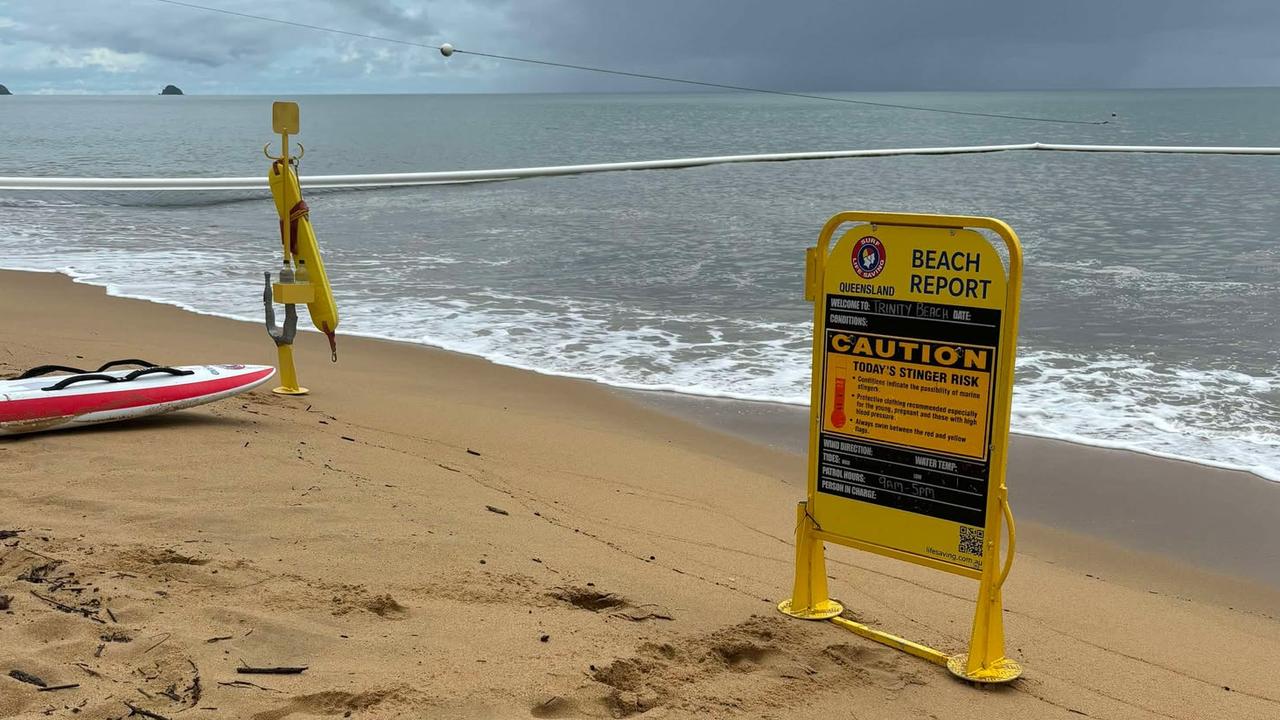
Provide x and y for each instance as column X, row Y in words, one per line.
column 868, row 257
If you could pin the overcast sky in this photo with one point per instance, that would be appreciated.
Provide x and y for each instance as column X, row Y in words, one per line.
column 137, row 46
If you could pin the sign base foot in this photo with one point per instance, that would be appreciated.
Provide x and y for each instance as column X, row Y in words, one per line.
column 824, row 610
column 290, row 391
column 1002, row 671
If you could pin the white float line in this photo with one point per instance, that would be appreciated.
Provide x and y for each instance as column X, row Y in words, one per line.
column 472, row 176
column 1166, row 149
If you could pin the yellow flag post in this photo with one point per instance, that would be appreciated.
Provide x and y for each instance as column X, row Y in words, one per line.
column 915, row 331
column 302, row 280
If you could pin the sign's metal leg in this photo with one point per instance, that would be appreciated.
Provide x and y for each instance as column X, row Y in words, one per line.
column 809, row 599
column 985, row 662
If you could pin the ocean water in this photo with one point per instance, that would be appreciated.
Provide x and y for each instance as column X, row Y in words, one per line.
column 1151, row 312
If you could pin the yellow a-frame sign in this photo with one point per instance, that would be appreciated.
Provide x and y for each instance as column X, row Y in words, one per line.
column 915, row 327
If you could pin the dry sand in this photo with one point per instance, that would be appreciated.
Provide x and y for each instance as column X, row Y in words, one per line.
column 436, row 536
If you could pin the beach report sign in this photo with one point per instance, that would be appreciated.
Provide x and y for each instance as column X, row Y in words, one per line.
column 910, row 331
column 915, row 324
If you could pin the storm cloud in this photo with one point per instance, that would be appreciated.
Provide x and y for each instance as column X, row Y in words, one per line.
column 137, row 46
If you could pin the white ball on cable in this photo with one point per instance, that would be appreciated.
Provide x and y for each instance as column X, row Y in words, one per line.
column 446, row 49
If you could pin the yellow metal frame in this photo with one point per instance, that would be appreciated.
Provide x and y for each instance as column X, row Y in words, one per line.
column 310, row 284
column 285, row 121
column 985, row 662
column 288, row 374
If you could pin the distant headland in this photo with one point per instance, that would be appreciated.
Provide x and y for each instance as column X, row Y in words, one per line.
column 171, row 90
column 4, row 90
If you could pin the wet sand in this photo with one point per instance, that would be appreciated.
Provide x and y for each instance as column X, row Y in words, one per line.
column 1222, row 520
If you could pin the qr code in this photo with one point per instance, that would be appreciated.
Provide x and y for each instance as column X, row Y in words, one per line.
column 971, row 540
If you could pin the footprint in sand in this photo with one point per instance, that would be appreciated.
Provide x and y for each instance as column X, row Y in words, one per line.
column 331, row 702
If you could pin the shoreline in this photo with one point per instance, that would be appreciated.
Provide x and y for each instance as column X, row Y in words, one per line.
column 680, row 400
column 1230, row 528
column 1252, row 551
column 436, row 535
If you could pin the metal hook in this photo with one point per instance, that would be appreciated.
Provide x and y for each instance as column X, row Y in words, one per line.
column 302, row 150
column 280, row 335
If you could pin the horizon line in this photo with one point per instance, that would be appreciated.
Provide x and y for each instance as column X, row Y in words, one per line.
column 131, row 93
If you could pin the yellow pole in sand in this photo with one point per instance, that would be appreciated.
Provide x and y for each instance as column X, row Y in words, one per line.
column 284, row 120
column 288, row 375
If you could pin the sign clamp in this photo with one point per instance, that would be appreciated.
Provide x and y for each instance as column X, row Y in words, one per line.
column 915, row 328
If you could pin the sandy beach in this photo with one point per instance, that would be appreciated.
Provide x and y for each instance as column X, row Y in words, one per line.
column 433, row 535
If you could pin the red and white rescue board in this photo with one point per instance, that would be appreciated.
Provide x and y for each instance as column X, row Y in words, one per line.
column 30, row 406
